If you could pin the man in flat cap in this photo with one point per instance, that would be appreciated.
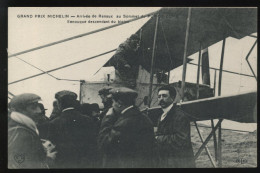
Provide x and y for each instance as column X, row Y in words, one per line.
column 106, row 100
column 72, row 133
column 173, row 133
column 126, row 136
column 25, row 149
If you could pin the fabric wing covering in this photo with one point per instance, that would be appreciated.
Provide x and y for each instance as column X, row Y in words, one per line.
column 208, row 26
column 240, row 108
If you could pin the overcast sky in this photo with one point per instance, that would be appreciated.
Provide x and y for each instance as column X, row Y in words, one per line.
column 27, row 33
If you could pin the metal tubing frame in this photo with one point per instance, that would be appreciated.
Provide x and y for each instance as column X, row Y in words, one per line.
column 207, row 139
column 221, row 66
column 152, row 62
column 206, row 148
column 185, row 54
column 215, row 140
column 215, row 76
column 197, row 95
column 212, row 122
column 219, row 93
column 219, row 146
column 198, row 72
column 249, row 62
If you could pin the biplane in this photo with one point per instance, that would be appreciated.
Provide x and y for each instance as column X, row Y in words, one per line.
column 166, row 41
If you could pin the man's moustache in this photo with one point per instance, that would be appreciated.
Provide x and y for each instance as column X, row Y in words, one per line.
column 161, row 102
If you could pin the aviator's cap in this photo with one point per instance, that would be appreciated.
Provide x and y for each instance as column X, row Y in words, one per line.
column 22, row 100
column 104, row 90
column 66, row 93
column 123, row 92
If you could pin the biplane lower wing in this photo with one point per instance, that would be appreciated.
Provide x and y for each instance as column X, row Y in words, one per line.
column 240, row 108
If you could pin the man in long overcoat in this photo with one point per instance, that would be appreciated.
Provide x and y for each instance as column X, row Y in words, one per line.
column 173, row 133
column 126, row 136
column 72, row 133
column 25, row 149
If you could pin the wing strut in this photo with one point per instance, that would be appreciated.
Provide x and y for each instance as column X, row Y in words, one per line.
column 152, row 62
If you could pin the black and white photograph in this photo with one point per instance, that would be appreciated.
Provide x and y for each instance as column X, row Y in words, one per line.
column 132, row 87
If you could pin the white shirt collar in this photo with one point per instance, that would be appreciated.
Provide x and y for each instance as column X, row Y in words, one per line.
column 168, row 108
column 127, row 109
column 165, row 111
column 70, row 108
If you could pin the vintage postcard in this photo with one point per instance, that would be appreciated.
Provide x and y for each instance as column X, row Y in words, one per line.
column 132, row 87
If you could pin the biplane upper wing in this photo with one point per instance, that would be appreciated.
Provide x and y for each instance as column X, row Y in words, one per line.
column 208, row 26
column 241, row 108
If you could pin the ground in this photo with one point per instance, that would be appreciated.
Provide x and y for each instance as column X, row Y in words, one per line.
column 238, row 149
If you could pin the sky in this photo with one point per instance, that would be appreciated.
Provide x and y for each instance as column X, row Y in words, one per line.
column 27, row 33
column 26, row 30
column 234, row 60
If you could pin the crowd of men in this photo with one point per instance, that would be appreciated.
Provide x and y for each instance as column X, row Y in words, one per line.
column 81, row 136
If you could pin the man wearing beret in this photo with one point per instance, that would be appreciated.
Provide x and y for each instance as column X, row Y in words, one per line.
column 173, row 133
column 72, row 133
column 25, row 149
column 126, row 136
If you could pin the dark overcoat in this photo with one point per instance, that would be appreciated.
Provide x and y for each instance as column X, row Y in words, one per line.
column 174, row 141
column 126, row 140
column 75, row 138
column 25, row 149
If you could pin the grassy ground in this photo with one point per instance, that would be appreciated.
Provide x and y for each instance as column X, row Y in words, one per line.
column 238, row 149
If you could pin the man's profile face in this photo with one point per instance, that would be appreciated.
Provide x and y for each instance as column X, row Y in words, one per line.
column 116, row 106
column 164, row 98
column 103, row 98
column 106, row 100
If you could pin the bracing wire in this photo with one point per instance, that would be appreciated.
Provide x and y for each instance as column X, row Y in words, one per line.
column 34, row 66
column 11, row 93
column 81, row 35
column 167, row 46
column 39, row 74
